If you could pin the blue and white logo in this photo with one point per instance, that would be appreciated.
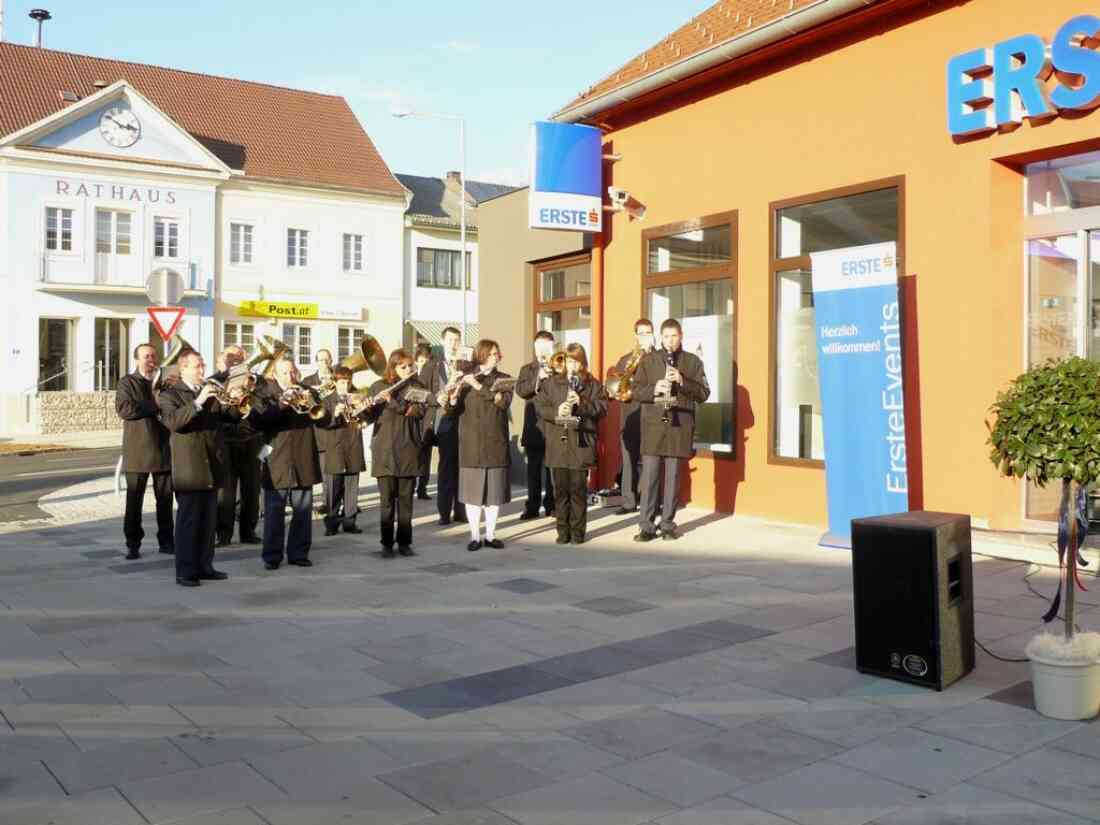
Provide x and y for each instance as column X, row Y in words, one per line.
column 566, row 177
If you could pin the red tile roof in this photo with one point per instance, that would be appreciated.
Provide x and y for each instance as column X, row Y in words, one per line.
column 725, row 20
column 268, row 131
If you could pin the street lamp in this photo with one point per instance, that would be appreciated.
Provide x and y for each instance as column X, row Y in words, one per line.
column 402, row 113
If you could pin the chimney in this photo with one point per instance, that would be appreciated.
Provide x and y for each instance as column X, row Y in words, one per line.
column 40, row 16
column 454, row 178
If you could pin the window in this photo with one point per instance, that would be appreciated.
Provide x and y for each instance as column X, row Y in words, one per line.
column 297, row 247
column 439, row 268
column 112, row 232
column 299, row 339
column 59, row 229
column 166, row 238
column 54, row 342
column 112, row 347
column 690, row 273
column 353, row 253
column 347, row 341
column 853, row 216
column 238, row 334
column 240, row 243
column 562, row 300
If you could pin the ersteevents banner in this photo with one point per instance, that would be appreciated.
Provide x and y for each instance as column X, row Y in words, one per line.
column 858, row 331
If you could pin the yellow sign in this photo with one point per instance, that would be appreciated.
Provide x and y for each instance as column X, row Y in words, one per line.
column 278, row 309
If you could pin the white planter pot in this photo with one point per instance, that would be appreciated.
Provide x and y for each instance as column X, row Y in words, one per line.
column 1066, row 690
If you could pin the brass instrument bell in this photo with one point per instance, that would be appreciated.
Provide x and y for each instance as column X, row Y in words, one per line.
column 370, row 356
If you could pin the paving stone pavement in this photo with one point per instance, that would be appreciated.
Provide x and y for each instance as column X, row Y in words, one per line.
column 710, row 681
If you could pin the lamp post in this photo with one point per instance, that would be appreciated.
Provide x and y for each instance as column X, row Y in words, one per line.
column 401, row 113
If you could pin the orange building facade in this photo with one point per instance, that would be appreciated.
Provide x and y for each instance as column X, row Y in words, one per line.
column 836, row 136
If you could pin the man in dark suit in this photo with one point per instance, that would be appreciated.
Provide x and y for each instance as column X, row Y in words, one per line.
column 196, row 421
column 424, row 367
column 668, row 384
column 322, row 376
column 445, row 375
column 533, row 440
column 144, row 452
column 290, row 471
column 242, row 468
column 630, row 421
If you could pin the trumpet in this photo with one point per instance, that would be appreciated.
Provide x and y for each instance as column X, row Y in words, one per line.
column 223, row 396
column 355, row 405
column 303, row 401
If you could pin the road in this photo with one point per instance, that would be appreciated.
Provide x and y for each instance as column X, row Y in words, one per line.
column 25, row 479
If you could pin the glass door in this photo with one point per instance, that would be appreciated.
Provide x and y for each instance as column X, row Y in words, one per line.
column 112, row 342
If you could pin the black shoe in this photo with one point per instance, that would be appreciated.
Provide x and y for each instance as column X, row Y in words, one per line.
column 214, row 576
column 669, row 533
column 253, row 539
column 168, row 550
column 461, row 520
column 550, row 513
column 323, row 509
column 527, row 515
column 622, row 511
column 387, row 553
column 300, row 562
column 352, row 528
column 578, row 539
column 271, row 565
column 644, row 536
column 331, row 531
column 443, row 522
column 473, row 545
column 496, row 544
column 132, row 553
column 405, row 550
column 223, row 541
column 423, row 496
column 183, row 581
column 561, row 540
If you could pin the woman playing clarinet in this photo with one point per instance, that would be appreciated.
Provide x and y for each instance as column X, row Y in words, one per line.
column 571, row 404
column 481, row 401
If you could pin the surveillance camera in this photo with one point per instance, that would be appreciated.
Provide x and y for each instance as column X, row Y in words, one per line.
column 618, row 196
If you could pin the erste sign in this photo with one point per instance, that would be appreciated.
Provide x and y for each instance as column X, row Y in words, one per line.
column 989, row 88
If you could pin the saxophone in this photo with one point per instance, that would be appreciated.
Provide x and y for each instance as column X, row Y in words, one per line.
column 619, row 384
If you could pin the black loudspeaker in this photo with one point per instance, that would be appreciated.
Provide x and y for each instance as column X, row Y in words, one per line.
column 913, row 584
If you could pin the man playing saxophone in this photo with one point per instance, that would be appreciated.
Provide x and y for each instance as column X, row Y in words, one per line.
column 630, row 415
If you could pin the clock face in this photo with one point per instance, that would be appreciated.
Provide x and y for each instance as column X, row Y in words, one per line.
column 119, row 127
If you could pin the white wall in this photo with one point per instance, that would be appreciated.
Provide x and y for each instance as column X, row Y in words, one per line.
column 426, row 304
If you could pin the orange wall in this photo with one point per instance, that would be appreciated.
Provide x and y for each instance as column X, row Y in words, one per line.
column 870, row 110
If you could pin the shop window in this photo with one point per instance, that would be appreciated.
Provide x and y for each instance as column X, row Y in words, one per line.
column 240, row 243
column 850, row 217
column 347, row 341
column 297, row 247
column 299, row 338
column 563, row 301
column 690, row 277
column 439, row 268
column 54, row 354
column 239, row 335
column 353, row 253
column 112, row 347
column 59, row 229
column 166, row 238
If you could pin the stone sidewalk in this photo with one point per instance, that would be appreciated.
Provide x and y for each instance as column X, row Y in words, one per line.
column 709, row 681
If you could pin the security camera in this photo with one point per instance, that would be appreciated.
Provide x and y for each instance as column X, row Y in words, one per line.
column 618, row 196
column 623, row 201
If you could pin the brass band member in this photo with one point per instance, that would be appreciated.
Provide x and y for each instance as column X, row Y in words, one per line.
column 395, row 450
column 290, row 471
column 570, row 406
column 343, row 460
column 445, row 376
column 482, row 415
column 424, row 368
column 668, row 383
column 196, row 421
column 321, row 434
column 144, row 452
column 242, row 468
column 531, row 376
column 630, row 419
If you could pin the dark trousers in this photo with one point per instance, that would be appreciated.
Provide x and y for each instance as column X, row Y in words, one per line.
column 135, row 500
column 653, row 467
column 242, row 468
column 631, row 466
column 447, row 477
column 301, row 523
column 324, row 481
column 195, row 523
column 536, row 473
column 396, row 498
column 342, row 498
column 571, row 502
column 425, row 469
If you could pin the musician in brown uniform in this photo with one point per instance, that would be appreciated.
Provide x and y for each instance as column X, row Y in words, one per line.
column 570, row 407
column 322, row 376
column 630, row 418
column 482, row 415
column 424, row 367
column 242, row 468
column 533, row 440
column 395, row 449
column 144, row 452
column 668, row 384
column 343, row 459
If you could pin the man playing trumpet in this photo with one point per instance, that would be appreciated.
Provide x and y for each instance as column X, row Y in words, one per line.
column 344, row 458
column 242, row 466
column 445, row 377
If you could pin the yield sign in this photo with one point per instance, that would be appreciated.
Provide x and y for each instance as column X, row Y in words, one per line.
column 166, row 319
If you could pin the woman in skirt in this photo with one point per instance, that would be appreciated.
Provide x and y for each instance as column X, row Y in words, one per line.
column 395, row 450
column 481, row 404
column 571, row 404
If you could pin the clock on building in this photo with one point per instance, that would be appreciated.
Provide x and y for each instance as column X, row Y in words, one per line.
column 119, row 127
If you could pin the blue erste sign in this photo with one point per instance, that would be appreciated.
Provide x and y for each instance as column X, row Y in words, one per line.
column 566, row 177
column 989, row 88
column 858, row 326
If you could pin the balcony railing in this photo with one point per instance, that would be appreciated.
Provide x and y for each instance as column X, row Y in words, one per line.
column 112, row 271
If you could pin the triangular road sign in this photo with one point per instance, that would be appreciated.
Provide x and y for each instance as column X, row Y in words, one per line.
column 166, row 319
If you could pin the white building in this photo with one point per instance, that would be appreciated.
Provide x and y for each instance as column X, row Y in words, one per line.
column 272, row 203
column 433, row 249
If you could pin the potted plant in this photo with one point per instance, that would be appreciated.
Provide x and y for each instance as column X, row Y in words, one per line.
column 1047, row 428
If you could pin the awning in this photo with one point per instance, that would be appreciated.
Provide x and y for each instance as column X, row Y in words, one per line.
column 432, row 331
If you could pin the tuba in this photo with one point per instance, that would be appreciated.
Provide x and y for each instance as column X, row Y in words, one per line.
column 177, row 346
column 268, row 348
column 370, row 356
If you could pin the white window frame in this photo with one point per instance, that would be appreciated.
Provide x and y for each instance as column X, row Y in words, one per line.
column 78, row 228
column 167, row 220
column 114, row 212
column 299, row 262
column 241, row 220
column 60, row 230
column 296, row 346
column 238, row 324
column 353, row 346
column 353, row 261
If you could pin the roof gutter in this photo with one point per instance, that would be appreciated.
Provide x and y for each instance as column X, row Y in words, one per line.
column 790, row 24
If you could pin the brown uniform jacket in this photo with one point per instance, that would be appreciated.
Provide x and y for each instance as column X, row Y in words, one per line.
column 397, row 438
column 573, row 448
column 321, row 434
column 482, row 424
column 144, row 438
column 630, row 412
column 345, row 454
column 197, row 440
column 677, row 437
column 293, row 463
column 527, row 386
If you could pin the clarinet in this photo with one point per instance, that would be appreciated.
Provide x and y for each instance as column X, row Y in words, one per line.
column 668, row 401
column 574, row 386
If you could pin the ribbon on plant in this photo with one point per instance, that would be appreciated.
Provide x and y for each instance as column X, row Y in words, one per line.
column 1081, row 514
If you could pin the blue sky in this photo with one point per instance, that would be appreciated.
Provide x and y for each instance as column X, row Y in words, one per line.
column 500, row 64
